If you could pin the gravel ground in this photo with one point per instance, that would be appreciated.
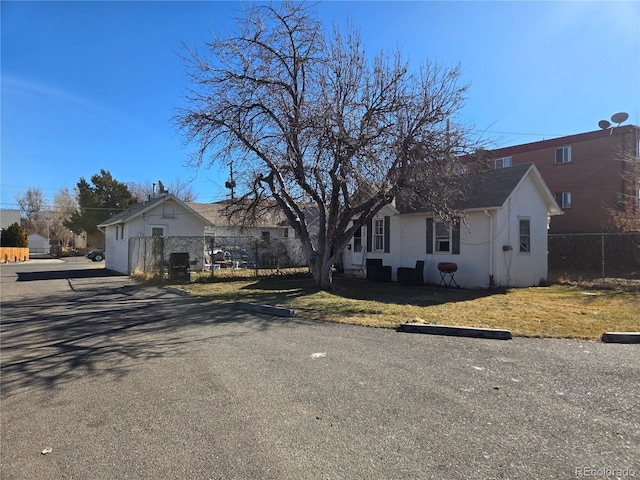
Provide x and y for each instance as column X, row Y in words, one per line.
column 134, row 383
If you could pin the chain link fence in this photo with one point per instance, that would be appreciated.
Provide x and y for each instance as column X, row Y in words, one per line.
column 178, row 258
column 601, row 256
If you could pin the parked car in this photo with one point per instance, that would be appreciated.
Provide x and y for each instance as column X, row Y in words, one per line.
column 96, row 255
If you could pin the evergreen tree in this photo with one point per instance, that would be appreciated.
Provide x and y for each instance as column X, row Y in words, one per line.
column 98, row 201
column 14, row 236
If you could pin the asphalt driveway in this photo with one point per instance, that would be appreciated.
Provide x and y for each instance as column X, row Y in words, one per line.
column 128, row 382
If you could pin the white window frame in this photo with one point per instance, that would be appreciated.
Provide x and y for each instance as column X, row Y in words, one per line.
column 503, row 162
column 153, row 227
column 565, row 155
column 378, row 235
column 440, row 238
column 563, row 199
column 524, row 240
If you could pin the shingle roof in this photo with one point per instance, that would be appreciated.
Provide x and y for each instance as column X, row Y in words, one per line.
column 485, row 189
column 224, row 213
column 132, row 211
column 491, row 188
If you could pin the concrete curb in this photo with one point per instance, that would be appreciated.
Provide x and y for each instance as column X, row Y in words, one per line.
column 621, row 337
column 177, row 291
column 268, row 309
column 490, row 333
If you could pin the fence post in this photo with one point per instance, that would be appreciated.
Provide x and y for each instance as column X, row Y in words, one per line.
column 211, row 257
column 161, row 241
column 255, row 255
column 603, row 262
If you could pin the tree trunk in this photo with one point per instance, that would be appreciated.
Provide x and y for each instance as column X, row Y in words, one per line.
column 322, row 274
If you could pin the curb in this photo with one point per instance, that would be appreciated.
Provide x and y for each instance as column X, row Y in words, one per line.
column 490, row 333
column 268, row 309
column 177, row 291
column 621, row 337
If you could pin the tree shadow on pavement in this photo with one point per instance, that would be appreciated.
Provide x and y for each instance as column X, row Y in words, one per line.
column 104, row 332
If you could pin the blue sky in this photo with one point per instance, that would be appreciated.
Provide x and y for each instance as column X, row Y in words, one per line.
column 91, row 85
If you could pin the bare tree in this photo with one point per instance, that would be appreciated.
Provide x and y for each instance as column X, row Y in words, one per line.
column 64, row 206
column 34, row 210
column 625, row 216
column 321, row 130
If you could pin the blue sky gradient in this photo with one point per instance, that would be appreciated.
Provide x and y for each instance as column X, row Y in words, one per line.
column 91, row 85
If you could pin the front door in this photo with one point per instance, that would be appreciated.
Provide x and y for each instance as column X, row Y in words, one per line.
column 357, row 254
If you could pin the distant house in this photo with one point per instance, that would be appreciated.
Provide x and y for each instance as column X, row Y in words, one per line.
column 168, row 216
column 584, row 172
column 38, row 245
column 501, row 242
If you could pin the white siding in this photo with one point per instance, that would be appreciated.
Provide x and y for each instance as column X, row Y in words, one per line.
column 482, row 238
column 175, row 220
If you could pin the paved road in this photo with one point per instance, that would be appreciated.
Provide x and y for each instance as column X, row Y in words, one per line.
column 128, row 382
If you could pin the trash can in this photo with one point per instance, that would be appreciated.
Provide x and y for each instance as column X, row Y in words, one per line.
column 179, row 267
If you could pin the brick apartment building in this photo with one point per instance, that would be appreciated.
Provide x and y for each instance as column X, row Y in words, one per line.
column 585, row 172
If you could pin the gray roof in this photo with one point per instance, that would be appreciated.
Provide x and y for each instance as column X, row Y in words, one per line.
column 225, row 214
column 491, row 189
column 132, row 211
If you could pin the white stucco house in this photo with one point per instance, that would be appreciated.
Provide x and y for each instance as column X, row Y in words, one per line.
column 169, row 217
column 502, row 240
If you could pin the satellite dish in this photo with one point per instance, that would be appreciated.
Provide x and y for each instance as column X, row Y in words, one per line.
column 604, row 124
column 619, row 117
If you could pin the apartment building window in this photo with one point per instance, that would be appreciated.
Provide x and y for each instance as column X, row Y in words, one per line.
column 563, row 199
column 563, row 155
column 525, row 235
column 504, row 162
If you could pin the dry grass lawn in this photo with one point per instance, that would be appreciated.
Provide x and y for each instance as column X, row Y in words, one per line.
column 556, row 311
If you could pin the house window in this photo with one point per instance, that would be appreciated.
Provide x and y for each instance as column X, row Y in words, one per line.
column 563, row 155
column 525, row 235
column 378, row 235
column 157, row 231
column 265, row 236
column 563, row 199
column 443, row 237
column 357, row 240
column 285, row 233
column 504, row 162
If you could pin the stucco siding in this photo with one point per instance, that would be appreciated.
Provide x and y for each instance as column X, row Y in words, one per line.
column 490, row 253
column 172, row 218
column 517, row 268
